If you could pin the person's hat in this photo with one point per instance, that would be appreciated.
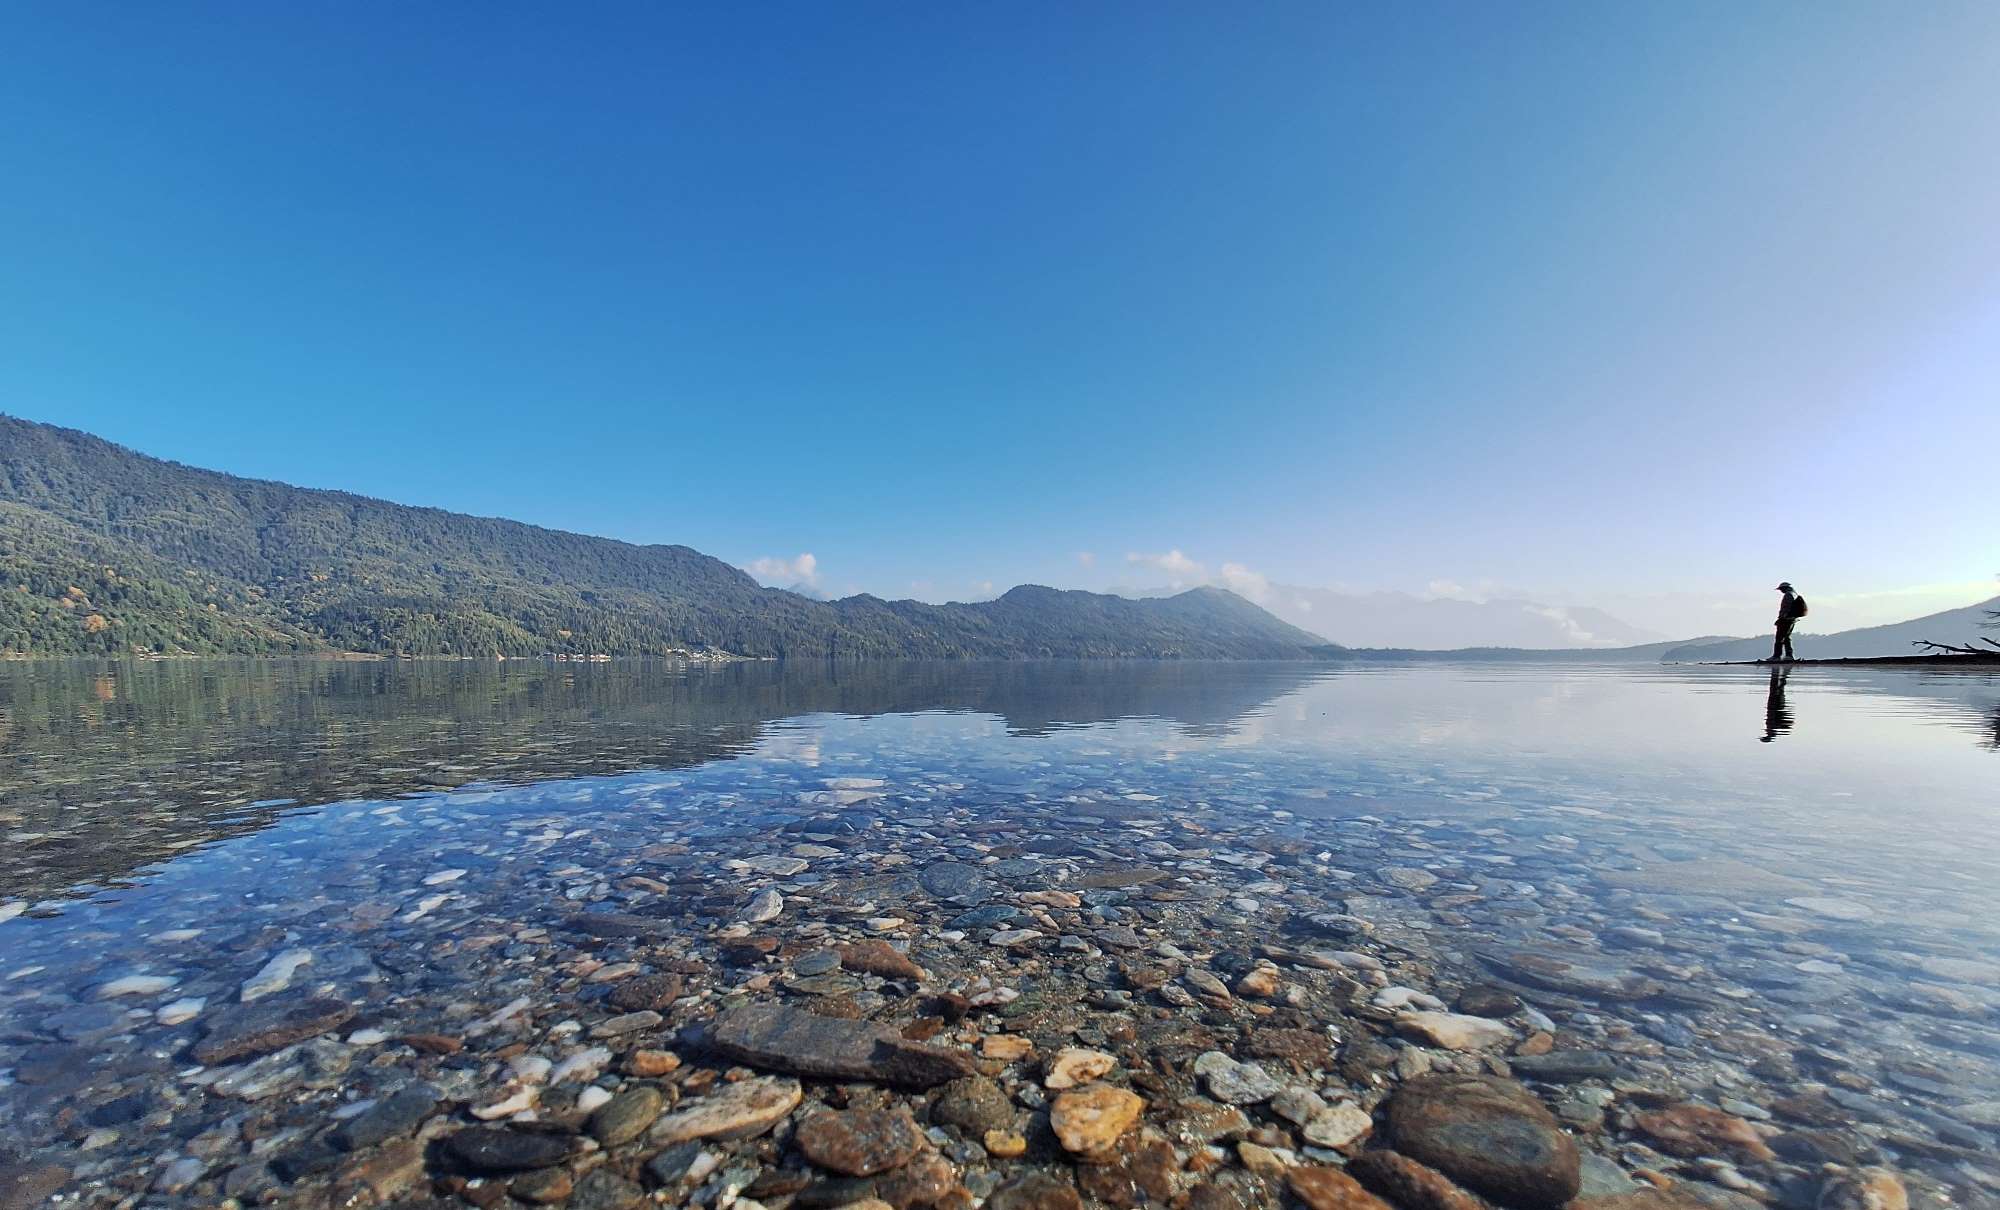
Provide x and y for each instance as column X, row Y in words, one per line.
column 1784, row 586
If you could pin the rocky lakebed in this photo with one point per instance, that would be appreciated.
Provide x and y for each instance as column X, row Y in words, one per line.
column 1021, row 982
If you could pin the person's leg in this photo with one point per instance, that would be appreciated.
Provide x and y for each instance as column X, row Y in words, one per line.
column 1778, row 644
column 1785, row 639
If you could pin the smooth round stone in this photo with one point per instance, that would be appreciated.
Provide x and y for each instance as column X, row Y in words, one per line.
column 627, row 1115
column 985, row 917
column 975, row 1105
column 1234, row 1083
column 955, row 880
column 646, row 993
column 859, row 1142
column 486, row 1150
column 136, row 985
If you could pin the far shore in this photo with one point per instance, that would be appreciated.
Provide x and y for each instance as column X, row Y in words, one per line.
column 1952, row 661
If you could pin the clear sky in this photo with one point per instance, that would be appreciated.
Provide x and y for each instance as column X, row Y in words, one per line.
column 1634, row 305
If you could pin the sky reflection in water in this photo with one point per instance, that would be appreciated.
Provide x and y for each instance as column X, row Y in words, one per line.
column 274, row 805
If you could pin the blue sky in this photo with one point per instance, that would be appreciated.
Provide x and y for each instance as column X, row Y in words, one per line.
column 1640, row 306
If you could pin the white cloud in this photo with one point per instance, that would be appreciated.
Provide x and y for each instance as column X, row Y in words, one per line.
column 1181, row 569
column 784, row 573
column 1450, row 589
column 1250, row 585
column 1184, row 572
column 1087, row 558
column 1572, row 630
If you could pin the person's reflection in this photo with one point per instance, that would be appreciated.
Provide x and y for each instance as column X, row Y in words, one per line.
column 1777, row 715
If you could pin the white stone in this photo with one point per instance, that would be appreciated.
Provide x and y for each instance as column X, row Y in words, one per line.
column 425, row 906
column 1073, row 1066
column 731, row 1111
column 508, row 1012
column 1297, row 1105
column 276, row 975
column 583, row 1066
column 1456, row 1031
column 136, row 985
column 1338, row 1126
column 1394, row 998
column 444, row 876
column 1232, row 1082
column 185, row 1009
column 517, row 1100
column 765, row 905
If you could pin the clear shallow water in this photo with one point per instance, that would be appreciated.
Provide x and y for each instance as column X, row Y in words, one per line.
column 1802, row 877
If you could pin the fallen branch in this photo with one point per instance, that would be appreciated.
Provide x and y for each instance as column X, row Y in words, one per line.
column 1949, row 649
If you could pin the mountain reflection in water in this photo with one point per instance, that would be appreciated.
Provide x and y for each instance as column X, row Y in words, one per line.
column 110, row 767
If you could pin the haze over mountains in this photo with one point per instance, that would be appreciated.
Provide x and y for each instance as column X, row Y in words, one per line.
column 1406, row 621
column 107, row 551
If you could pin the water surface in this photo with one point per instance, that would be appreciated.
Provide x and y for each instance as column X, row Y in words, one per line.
column 1800, row 872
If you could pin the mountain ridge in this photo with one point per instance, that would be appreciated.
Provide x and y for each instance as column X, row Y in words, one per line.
column 1893, row 638
column 105, row 550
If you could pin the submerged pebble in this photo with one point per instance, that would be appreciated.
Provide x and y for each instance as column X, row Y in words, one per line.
column 1129, row 966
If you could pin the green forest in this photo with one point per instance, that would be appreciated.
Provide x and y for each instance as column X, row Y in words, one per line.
column 104, row 551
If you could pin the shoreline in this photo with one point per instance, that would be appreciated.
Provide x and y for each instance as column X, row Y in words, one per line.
column 1913, row 661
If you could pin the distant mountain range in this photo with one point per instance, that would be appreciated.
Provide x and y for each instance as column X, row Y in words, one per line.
column 107, row 551
column 1403, row 621
column 1959, row 626
column 1398, row 619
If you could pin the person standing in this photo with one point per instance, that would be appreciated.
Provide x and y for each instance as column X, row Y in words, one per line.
column 1791, row 607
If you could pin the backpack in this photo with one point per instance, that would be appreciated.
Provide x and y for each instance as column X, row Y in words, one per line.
column 1798, row 605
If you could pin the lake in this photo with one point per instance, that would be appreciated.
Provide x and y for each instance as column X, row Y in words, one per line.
column 283, row 931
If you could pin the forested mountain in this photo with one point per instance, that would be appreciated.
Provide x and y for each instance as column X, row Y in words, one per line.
column 103, row 550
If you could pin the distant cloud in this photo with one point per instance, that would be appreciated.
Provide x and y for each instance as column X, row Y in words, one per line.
column 1180, row 569
column 1479, row 591
column 1250, row 585
column 1087, row 558
column 1573, row 630
column 785, row 573
column 1183, row 572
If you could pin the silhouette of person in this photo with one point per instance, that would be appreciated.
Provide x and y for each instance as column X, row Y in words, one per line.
column 1791, row 607
column 1777, row 715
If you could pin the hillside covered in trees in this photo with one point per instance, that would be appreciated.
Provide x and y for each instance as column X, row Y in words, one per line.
column 106, row 551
